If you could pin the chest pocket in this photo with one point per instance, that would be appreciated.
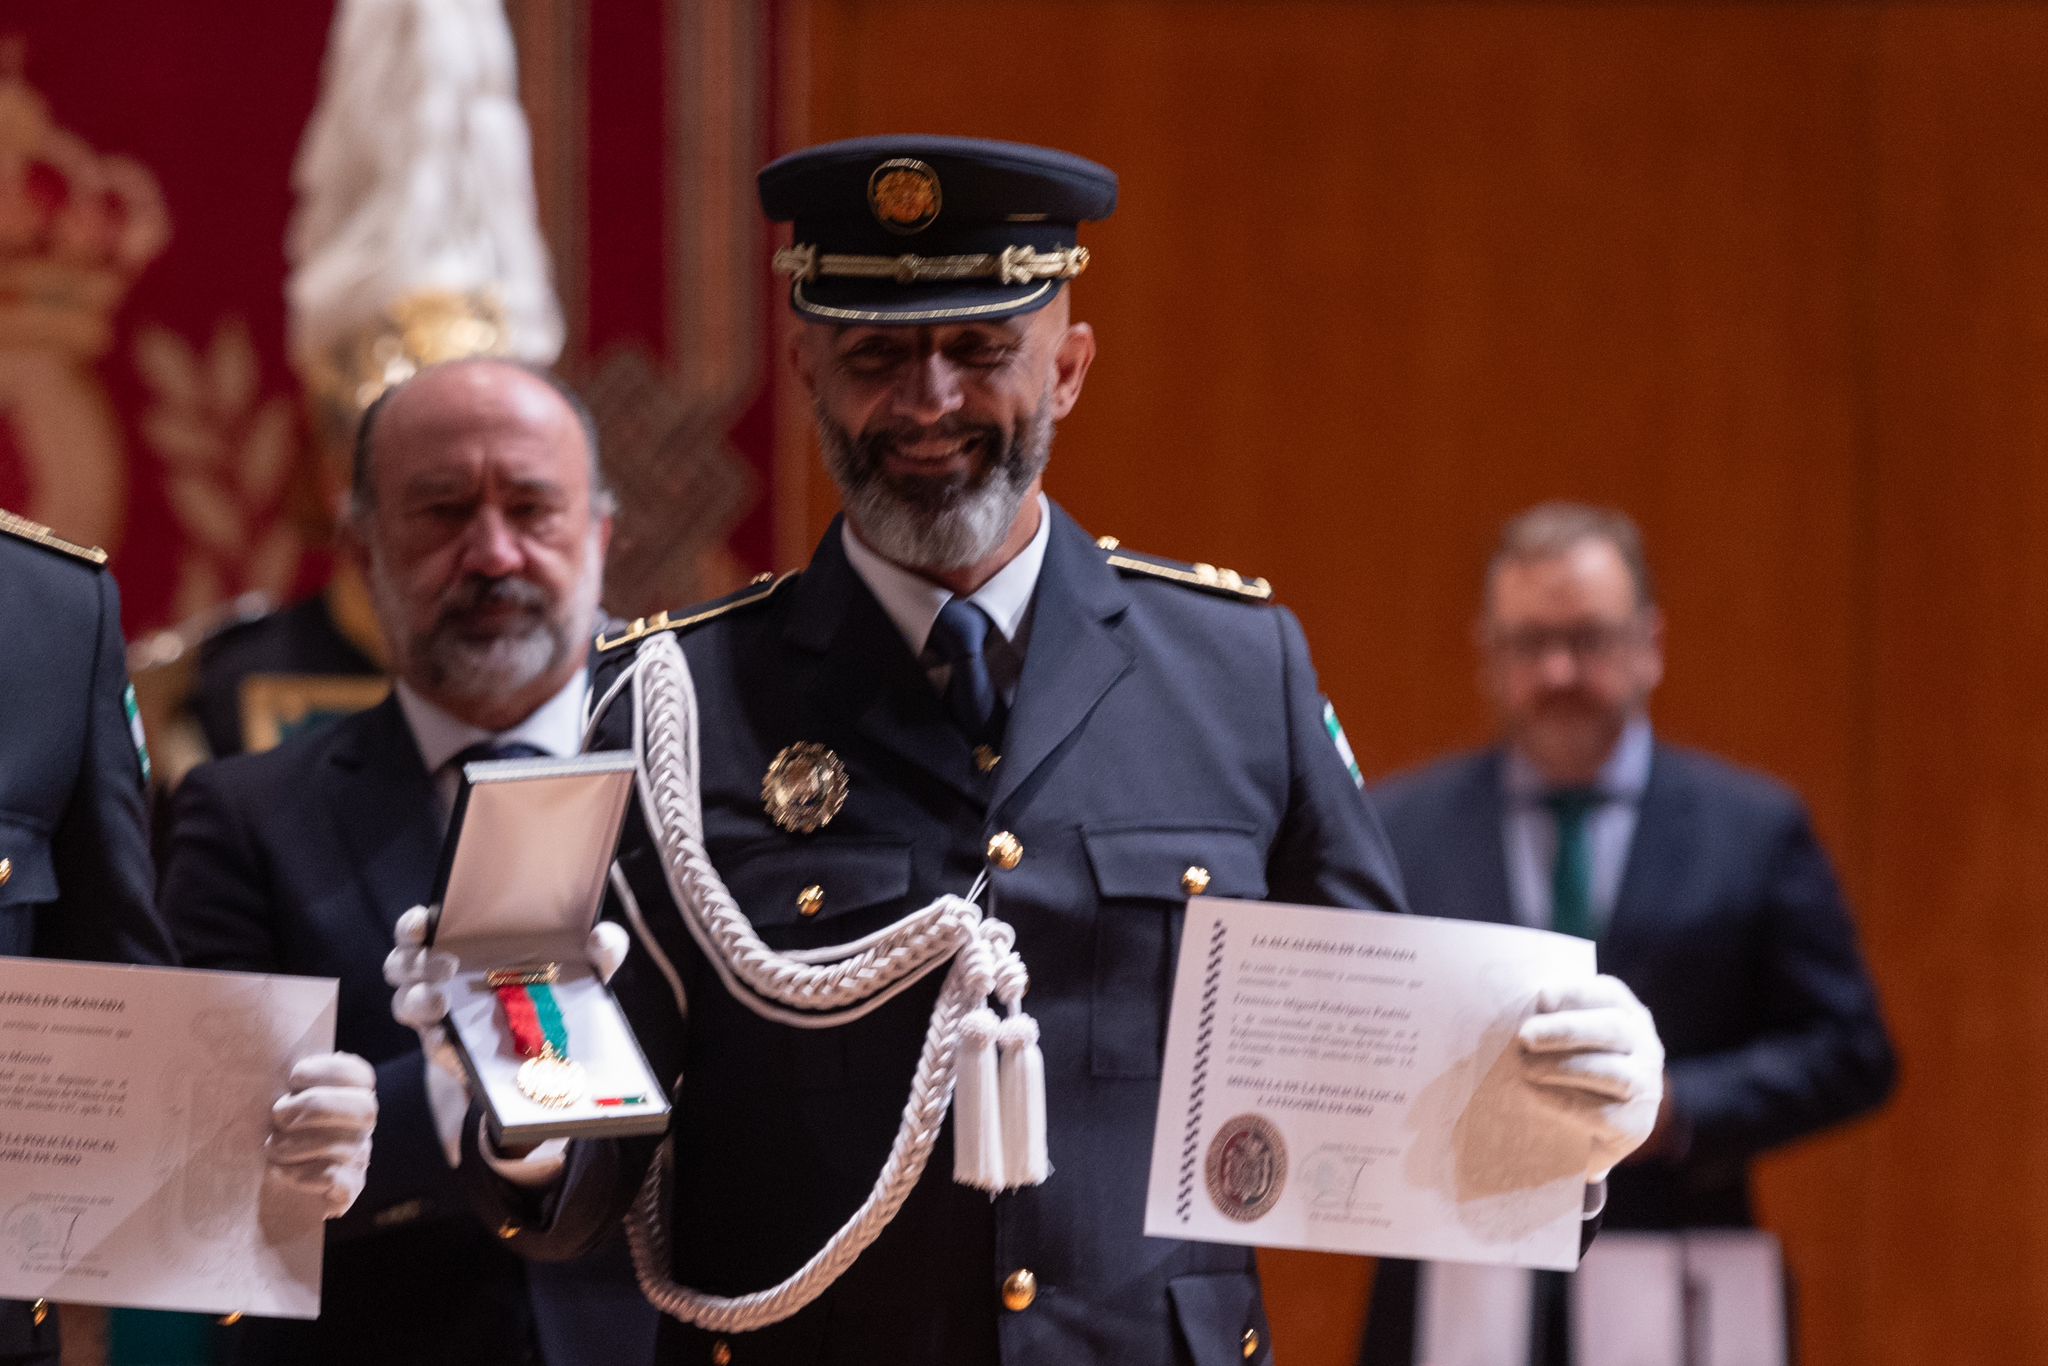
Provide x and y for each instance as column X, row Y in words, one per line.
column 31, row 882
column 791, row 886
column 806, row 894
column 1144, row 876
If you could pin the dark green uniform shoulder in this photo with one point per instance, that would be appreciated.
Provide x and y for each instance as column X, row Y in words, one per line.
column 35, row 533
column 637, row 630
column 1206, row 578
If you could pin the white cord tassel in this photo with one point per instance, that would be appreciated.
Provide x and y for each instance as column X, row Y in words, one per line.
column 978, row 1148
column 1025, row 1162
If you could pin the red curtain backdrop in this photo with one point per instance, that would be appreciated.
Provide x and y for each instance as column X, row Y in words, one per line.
column 205, row 489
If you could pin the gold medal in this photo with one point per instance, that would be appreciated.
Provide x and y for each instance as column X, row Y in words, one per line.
column 804, row 788
column 549, row 1080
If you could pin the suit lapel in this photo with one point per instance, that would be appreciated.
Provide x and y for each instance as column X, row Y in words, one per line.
column 383, row 805
column 1478, row 859
column 1073, row 657
column 865, row 673
column 1660, row 856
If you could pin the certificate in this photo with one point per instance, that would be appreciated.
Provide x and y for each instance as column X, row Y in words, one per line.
column 1347, row 1081
column 134, row 1104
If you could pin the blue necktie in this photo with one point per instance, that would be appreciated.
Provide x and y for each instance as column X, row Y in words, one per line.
column 1571, row 875
column 958, row 638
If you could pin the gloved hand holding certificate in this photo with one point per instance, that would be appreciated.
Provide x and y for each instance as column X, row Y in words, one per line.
column 1350, row 1081
column 143, row 1144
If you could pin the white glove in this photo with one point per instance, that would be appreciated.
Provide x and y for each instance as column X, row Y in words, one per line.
column 1591, row 1056
column 319, row 1143
column 419, row 977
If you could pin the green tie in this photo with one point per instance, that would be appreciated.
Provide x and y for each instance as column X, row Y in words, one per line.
column 1571, row 876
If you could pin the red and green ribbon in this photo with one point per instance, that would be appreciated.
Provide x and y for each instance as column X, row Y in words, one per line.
column 535, row 1019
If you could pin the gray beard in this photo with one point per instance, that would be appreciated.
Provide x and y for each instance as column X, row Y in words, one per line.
column 450, row 664
column 935, row 525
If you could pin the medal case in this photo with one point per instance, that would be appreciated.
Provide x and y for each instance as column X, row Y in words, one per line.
column 522, row 879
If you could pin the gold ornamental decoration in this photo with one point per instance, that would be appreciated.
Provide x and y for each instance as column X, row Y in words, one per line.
column 903, row 195
column 804, row 788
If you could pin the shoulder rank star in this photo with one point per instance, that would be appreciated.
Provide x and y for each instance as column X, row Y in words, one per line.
column 804, row 788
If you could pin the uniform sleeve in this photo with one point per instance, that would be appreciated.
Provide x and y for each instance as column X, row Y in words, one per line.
column 1822, row 1054
column 1331, row 850
column 106, row 907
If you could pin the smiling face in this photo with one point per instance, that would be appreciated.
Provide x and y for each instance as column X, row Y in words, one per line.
column 1572, row 654
column 938, row 437
column 484, row 546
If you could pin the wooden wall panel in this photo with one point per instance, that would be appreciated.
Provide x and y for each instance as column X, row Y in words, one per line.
column 1770, row 276
column 1959, row 791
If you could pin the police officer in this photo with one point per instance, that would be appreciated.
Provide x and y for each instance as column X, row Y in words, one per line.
column 962, row 683
column 75, row 874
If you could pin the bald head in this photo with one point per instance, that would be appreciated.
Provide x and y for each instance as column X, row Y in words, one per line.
column 362, row 491
column 483, row 526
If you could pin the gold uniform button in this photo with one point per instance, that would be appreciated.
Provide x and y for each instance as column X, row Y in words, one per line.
column 1020, row 1288
column 721, row 1353
column 1005, row 850
column 6, row 871
column 40, row 1311
column 230, row 1320
column 986, row 759
column 1251, row 1343
column 1195, row 880
column 508, row 1229
column 810, row 901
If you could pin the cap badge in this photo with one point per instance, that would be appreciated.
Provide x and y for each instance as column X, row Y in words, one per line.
column 903, row 194
column 804, row 788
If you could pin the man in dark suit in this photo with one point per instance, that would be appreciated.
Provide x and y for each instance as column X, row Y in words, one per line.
column 1703, row 884
column 482, row 518
column 75, row 875
column 964, row 683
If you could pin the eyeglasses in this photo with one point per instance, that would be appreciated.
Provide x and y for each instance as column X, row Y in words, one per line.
column 1587, row 644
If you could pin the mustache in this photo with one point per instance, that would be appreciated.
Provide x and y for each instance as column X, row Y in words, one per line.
column 480, row 593
column 874, row 445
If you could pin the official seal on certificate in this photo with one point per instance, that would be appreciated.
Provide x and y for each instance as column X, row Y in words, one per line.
column 1246, row 1168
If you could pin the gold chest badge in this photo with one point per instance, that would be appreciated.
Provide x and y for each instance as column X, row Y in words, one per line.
column 804, row 788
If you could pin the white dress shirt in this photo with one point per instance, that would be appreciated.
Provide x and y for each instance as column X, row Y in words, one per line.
column 555, row 728
column 1531, row 827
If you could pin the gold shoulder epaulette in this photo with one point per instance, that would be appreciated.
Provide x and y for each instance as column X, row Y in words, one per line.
column 41, row 535
column 760, row 590
column 1207, row 577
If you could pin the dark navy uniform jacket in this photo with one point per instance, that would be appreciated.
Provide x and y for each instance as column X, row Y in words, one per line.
column 1729, row 926
column 300, row 860
column 1156, row 727
column 72, row 829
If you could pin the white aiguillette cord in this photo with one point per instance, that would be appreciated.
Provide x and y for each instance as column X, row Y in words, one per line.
column 988, row 1068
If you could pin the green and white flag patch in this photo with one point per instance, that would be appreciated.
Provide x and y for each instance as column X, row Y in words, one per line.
column 134, row 711
column 1331, row 724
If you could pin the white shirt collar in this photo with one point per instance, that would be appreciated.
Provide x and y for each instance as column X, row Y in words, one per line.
column 913, row 601
column 1623, row 777
column 554, row 727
